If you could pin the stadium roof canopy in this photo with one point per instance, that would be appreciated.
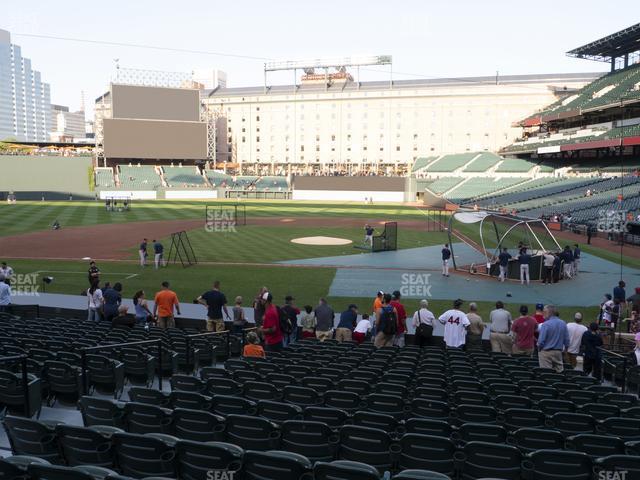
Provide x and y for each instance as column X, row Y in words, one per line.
column 612, row 46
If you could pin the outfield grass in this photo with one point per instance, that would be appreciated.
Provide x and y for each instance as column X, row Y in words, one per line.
column 26, row 217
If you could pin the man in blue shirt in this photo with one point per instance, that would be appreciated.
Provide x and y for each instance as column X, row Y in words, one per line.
column 158, row 251
column 142, row 251
column 348, row 320
column 503, row 262
column 524, row 259
column 446, row 255
column 553, row 339
column 619, row 292
column 576, row 258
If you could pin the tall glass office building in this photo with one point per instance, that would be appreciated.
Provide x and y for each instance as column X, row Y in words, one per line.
column 25, row 100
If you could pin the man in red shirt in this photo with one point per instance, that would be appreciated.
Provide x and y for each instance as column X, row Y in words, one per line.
column 402, row 319
column 271, row 326
column 524, row 329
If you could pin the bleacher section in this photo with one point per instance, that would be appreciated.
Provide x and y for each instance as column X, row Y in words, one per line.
column 477, row 187
column 139, row 177
column 482, row 163
column 217, row 178
column 607, row 90
column 450, row 163
column 443, row 184
column 421, row 163
column 183, row 177
column 104, row 178
column 392, row 413
column 272, row 183
column 515, row 165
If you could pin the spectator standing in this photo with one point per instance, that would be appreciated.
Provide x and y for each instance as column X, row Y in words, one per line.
column 552, row 340
column 239, row 320
column 605, row 309
column 377, row 304
column 524, row 329
column 143, row 314
column 164, row 303
column 348, row 321
column 324, row 320
column 252, row 347
column 142, row 251
column 308, row 322
column 591, row 343
column 387, row 323
column 634, row 300
column 455, row 323
column 158, row 254
column 292, row 313
column 500, row 327
column 503, row 263
column 577, row 254
column 402, row 318
column 547, row 261
column 258, row 306
column 476, row 327
column 619, row 292
column 423, row 323
column 539, row 314
column 362, row 328
column 576, row 331
column 446, row 255
column 112, row 297
column 271, row 326
column 93, row 273
column 5, row 294
column 94, row 303
column 216, row 303
column 6, row 272
column 524, row 259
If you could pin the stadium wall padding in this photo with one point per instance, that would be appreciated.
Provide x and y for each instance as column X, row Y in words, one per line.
column 42, row 174
column 133, row 194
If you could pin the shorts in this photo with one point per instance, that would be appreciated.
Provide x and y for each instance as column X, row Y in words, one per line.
column 166, row 322
column 215, row 324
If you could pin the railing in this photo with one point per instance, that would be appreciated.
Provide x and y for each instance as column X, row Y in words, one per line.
column 244, row 334
column 189, row 338
column 25, row 379
column 83, row 359
column 614, row 366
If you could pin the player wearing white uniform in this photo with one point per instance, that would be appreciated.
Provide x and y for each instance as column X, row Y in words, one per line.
column 455, row 323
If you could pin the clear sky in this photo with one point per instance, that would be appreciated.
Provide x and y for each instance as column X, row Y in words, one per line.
column 427, row 38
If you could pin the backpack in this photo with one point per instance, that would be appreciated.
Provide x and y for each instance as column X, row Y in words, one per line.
column 285, row 322
column 388, row 321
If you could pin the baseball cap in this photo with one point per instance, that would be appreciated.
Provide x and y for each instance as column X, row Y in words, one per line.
column 578, row 316
column 265, row 295
column 380, row 292
column 539, row 306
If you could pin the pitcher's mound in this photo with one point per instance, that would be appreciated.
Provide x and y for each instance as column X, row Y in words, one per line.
column 321, row 241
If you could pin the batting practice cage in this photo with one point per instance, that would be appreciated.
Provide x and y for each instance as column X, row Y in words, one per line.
column 181, row 250
column 477, row 237
column 219, row 215
column 117, row 203
column 387, row 240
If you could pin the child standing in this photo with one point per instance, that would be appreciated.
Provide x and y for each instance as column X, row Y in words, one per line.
column 308, row 322
column 239, row 320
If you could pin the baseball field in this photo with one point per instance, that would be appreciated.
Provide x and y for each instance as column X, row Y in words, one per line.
column 242, row 257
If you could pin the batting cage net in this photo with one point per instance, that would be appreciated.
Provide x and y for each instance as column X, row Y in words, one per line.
column 387, row 240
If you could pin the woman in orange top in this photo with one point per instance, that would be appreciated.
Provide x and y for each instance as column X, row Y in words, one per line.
column 253, row 347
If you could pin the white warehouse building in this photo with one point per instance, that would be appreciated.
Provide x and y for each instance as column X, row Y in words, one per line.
column 341, row 126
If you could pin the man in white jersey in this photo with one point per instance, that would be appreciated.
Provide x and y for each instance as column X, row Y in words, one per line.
column 455, row 323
